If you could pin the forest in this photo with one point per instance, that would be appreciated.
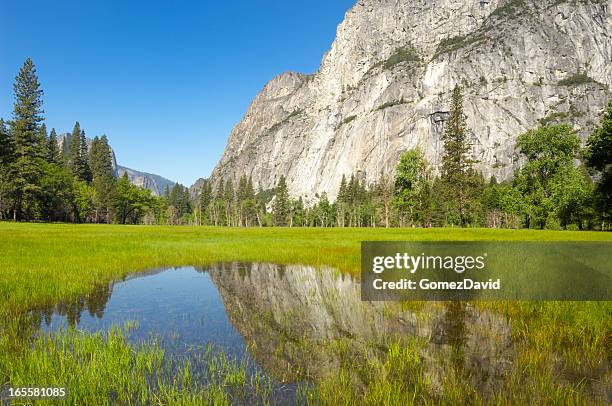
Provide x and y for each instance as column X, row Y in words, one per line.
column 561, row 185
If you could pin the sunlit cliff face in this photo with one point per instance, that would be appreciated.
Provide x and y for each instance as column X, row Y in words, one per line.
column 387, row 79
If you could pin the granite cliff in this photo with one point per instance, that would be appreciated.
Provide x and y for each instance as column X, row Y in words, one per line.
column 385, row 85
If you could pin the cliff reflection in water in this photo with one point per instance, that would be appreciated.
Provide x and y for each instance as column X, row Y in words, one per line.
column 298, row 323
column 289, row 316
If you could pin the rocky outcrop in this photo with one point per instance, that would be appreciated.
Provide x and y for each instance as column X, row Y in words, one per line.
column 393, row 66
column 154, row 183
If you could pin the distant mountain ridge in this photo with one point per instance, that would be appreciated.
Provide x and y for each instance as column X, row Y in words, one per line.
column 155, row 183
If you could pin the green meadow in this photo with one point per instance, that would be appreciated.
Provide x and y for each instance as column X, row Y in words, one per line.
column 563, row 348
column 49, row 262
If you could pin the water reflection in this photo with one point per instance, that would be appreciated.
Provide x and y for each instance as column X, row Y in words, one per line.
column 286, row 320
column 290, row 314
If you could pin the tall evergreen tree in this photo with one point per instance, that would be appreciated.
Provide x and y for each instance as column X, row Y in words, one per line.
column 218, row 213
column 241, row 196
column 228, row 198
column 42, row 142
column 27, row 117
column 6, row 148
column 281, row 206
column 77, row 154
column 84, row 151
column 6, row 157
column 342, row 202
column 206, row 198
column 249, row 205
column 457, row 172
column 54, row 154
column 103, row 180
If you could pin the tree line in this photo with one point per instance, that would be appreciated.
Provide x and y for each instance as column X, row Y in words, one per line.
column 559, row 186
column 74, row 180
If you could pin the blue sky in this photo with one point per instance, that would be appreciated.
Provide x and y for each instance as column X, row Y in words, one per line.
column 166, row 80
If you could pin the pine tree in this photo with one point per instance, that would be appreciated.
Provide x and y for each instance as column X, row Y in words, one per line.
column 6, row 147
column 100, row 158
column 206, row 199
column 228, row 198
column 241, row 197
column 6, row 157
column 27, row 117
column 457, row 172
column 77, row 154
column 54, row 154
column 42, row 142
column 250, row 204
column 219, row 206
column 103, row 180
column 281, row 205
column 342, row 202
column 383, row 197
column 83, row 153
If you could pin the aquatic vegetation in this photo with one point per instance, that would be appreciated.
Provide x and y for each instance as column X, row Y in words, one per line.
column 102, row 367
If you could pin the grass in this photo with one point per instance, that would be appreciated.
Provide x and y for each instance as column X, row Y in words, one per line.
column 102, row 368
column 46, row 263
column 562, row 348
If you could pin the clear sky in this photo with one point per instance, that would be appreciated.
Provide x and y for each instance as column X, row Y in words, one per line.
column 165, row 80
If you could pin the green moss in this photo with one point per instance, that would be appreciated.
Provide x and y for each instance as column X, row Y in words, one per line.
column 348, row 119
column 284, row 121
column 390, row 104
column 577, row 79
column 561, row 116
column 455, row 43
column 553, row 118
column 404, row 54
column 511, row 8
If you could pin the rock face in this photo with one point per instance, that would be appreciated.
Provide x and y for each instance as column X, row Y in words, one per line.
column 154, row 183
column 394, row 64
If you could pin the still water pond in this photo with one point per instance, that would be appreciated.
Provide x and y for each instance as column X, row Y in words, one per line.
column 287, row 322
column 179, row 307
